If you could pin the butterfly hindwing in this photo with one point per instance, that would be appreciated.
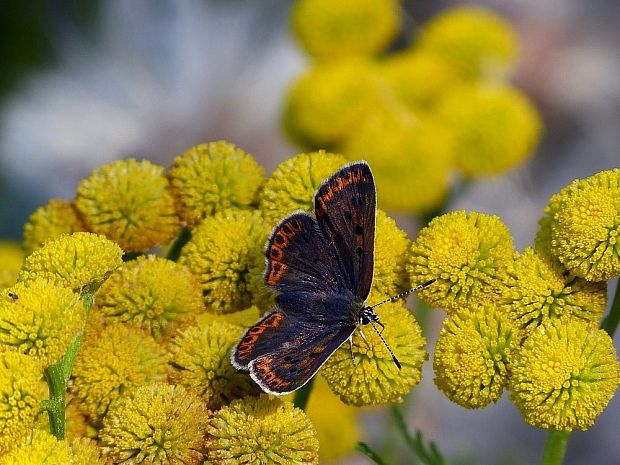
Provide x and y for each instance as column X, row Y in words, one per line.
column 294, row 363
column 345, row 207
column 300, row 259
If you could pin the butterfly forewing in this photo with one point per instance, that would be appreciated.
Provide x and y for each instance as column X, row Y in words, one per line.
column 299, row 258
column 345, row 207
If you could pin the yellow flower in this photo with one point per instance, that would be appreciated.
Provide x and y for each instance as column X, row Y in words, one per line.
column 584, row 226
column 86, row 452
column 333, row 30
column 538, row 288
column 51, row 220
column 200, row 361
column 473, row 354
column 293, row 183
column 226, row 254
column 261, row 431
column 391, row 246
column 372, row 377
column 11, row 259
column 77, row 260
column 110, row 362
column 564, row 375
column 39, row 448
column 417, row 78
column 42, row 321
column 496, row 127
column 411, row 160
column 468, row 255
column 242, row 318
column 327, row 103
column 213, row 177
column 336, row 423
column 131, row 203
column 475, row 41
column 21, row 391
column 155, row 424
column 153, row 293
column 542, row 242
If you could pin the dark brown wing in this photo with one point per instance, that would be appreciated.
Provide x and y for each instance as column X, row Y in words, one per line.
column 299, row 258
column 293, row 364
column 345, row 207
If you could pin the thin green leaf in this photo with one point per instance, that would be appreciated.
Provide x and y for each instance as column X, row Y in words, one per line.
column 368, row 452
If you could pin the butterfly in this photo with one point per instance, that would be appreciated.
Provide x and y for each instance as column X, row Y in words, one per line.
column 321, row 268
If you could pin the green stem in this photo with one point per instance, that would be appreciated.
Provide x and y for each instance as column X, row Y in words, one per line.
column 303, row 395
column 58, row 375
column 555, row 448
column 610, row 322
column 174, row 252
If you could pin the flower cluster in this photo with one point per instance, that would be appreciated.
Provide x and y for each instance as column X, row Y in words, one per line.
column 527, row 321
column 438, row 105
column 154, row 274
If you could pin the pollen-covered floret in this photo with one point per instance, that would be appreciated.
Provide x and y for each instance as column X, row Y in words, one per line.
column 262, row 430
column 372, row 377
column 564, row 375
column 467, row 254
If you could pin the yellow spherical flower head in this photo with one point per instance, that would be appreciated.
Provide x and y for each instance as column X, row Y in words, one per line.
column 21, row 391
column 52, row 219
column 86, row 452
column 200, row 361
column 79, row 260
column 473, row 354
column 111, row 361
column 39, row 447
column 585, row 226
column 417, row 78
column 327, row 103
column 131, row 203
column 263, row 430
column 467, row 254
column 475, row 41
column 155, row 424
column 331, row 30
column 337, row 424
column 293, row 183
column 538, row 288
column 11, row 259
column 411, row 161
column 153, row 293
column 495, row 127
column 391, row 246
column 372, row 377
column 564, row 375
column 213, row 177
column 542, row 241
column 226, row 254
column 40, row 319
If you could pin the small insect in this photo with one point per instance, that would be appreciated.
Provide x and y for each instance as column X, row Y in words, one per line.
column 13, row 296
column 321, row 267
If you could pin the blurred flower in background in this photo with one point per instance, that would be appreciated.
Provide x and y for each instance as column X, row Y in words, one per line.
column 148, row 80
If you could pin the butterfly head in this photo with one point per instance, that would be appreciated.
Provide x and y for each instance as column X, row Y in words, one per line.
column 367, row 315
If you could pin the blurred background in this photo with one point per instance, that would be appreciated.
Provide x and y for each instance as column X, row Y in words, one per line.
column 87, row 82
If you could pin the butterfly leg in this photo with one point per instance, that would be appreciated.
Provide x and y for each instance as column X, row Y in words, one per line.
column 351, row 349
column 364, row 337
column 382, row 326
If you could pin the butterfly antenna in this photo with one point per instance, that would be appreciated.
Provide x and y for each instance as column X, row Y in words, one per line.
column 403, row 294
column 396, row 362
